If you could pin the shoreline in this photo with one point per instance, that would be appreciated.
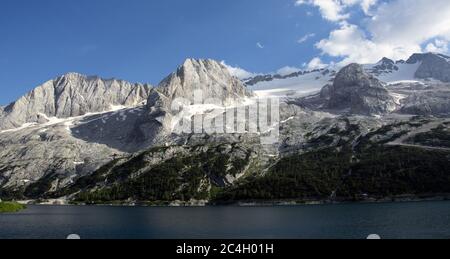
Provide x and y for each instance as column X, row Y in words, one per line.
column 248, row 203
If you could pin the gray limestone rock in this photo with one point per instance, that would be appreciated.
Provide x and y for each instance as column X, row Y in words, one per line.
column 209, row 77
column 71, row 95
column 359, row 92
column 427, row 103
column 433, row 65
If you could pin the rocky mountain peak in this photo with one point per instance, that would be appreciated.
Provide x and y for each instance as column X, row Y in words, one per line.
column 421, row 57
column 386, row 60
column 359, row 92
column 208, row 76
column 432, row 65
column 73, row 76
column 385, row 65
column 354, row 74
column 71, row 95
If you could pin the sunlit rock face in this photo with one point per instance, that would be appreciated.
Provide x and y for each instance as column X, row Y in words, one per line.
column 205, row 76
column 71, row 95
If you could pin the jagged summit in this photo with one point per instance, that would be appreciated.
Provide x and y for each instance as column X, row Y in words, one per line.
column 354, row 74
column 359, row 92
column 78, row 76
column 386, row 60
column 421, row 57
column 71, row 95
column 210, row 77
column 432, row 65
column 197, row 87
column 385, row 65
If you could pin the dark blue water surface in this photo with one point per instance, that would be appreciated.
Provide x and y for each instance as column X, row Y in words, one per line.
column 389, row 220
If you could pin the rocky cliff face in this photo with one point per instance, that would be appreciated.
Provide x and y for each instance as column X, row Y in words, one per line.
column 202, row 83
column 71, row 95
column 385, row 65
column 359, row 92
column 71, row 146
column 33, row 153
column 209, row 77
column 428, row 103
column 435, row 66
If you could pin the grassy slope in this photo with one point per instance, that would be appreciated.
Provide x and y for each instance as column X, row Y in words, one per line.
column 10, row 207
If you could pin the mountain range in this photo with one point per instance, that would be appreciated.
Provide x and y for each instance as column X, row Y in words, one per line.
column 362, row 132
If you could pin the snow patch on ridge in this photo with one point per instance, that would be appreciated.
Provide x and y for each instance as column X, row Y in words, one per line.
column 406, row 72
column 24, row 126
column 292, row 87
column 187, row 112
column 66, row 122
column 398, row 97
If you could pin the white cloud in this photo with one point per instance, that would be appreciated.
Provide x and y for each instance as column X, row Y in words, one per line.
column 331, row 10
column 439, row 46
column 316, row 63
column 336, row 10
column 259, row 45
column 284, row 71
column 415, row 21
column 306, row 37
column 238, row 72
column 352, row 44
column 394, row 29
column 367, row 4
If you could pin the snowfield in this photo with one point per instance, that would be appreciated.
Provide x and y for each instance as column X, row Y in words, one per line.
column 299, row 86
column 405, row 73
column 71, row 121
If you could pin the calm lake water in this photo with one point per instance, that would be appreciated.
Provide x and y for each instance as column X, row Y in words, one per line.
column 390, row 220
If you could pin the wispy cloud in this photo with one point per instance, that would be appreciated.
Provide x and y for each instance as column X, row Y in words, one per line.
column 439, row 45
column 259, row 45
column 336, row 10
column 316, row 63
column 238, row 72
column 287, row 70
column 306, row 37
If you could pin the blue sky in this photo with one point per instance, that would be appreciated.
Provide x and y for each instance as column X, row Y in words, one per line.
column 144, row 40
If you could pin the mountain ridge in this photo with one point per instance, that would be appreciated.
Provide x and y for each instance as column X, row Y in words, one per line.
column 102, row 155
column 71, row 95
